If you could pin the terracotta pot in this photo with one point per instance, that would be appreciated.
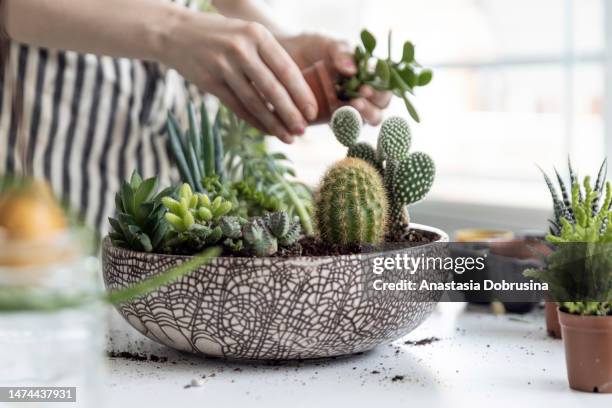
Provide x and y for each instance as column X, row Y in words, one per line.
column 319, row 78
column 588, row 351
column 553, row 328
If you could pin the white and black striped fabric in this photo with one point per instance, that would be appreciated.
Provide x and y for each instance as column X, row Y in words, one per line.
column 85, row 122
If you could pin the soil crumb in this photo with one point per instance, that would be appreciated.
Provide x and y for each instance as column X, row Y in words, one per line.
column 422, row 342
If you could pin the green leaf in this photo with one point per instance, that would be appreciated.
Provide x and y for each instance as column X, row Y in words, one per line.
column 368, row 40
column 413, row 113
column 209, row 143
column 194, row 132
column 398, row 83
column 408, row 76
column 425, row 77
column 177, row 149
column 382, row 71
column 390, row 46
column 146, row 190
column 149, row 285
column 408, row 54
column 135, row 180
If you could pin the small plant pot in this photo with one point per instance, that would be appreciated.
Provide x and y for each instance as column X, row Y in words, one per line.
column 588, row 351
column 553, row 328
column 323, row 85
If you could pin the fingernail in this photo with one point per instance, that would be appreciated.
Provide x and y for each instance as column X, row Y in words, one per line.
column 311, row 112
column 298, row 130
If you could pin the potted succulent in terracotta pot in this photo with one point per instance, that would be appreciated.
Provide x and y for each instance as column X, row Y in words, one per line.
column 579, row 279
column 276, row 291
column 400, row 77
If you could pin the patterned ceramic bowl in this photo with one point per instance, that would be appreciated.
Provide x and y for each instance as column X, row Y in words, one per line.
column 276, row 308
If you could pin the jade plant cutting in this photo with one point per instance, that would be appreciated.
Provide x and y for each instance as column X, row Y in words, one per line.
column 407, row 176
column 400, row 77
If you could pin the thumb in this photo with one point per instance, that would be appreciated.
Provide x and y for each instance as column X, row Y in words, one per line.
column 342, row 58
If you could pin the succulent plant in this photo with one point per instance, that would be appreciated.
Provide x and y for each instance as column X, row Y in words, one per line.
column 198, row 151
column 562, row 202
column 194, row 220
column 260, row 236
column 400, row 77
column 578, row 270
column 407, row 177
column 139, row 224
column 351, row 204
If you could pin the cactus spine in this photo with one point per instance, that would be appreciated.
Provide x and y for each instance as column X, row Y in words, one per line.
column 408, row 177
column 351, row 205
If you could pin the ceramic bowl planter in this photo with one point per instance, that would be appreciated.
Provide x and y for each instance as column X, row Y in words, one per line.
column 323, row 85
column 588, row 351
column 274, row 308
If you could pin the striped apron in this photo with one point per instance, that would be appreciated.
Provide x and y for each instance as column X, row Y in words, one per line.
column 85, row 122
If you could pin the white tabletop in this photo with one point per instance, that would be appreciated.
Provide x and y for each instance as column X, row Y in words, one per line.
column 479, row 360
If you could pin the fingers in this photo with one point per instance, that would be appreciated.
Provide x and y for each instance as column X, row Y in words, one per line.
column 371, row 113
column 382, row 99
column 228, row 98
column 292, row 98
column 254, row 103
column 342, row 58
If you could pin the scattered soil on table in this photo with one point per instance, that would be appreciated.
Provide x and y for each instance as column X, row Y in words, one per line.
column 397, row 378
column 422, row 342
column 137, row 357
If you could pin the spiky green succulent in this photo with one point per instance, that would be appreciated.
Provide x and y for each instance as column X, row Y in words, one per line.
column 351, row 204
column 562, row 201
column 194, row 220
column 578, row 271
column 407, row 177
column 139, row 223
column 260, row 236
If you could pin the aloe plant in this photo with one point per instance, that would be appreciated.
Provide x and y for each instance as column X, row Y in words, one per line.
column 400, row 77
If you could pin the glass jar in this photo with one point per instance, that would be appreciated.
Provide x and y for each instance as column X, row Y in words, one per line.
column 51, row 325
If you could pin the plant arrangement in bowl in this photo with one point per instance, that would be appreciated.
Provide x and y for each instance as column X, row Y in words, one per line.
column 400, row 77
column 294, row 277
column 579, row 277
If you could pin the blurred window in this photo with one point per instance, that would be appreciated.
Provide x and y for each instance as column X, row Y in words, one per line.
column 517, row 83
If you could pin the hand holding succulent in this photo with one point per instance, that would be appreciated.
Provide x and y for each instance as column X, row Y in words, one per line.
column 399, row 77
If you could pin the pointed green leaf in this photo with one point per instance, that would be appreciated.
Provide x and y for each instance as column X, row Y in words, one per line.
column 208, row 142
column 413, row 113
column 177, row 149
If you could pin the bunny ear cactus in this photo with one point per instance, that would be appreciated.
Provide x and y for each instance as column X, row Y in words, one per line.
column 407, row 177
column 351, row 205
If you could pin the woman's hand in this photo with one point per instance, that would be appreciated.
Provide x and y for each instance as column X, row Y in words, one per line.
column 246, row 68
column 310, row 48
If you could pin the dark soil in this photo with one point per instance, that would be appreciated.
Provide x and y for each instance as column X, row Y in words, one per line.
column 137, row 357
column 310, row 246
column 422, row 342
